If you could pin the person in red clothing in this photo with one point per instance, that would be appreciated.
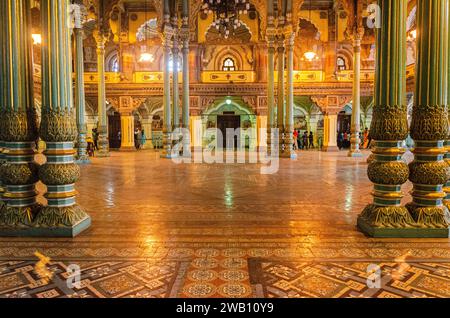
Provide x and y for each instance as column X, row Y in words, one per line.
column 295, row 139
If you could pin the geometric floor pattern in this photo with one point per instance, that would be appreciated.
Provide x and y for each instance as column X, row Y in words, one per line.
column 207, row 231
column 211, row 278
column 350, row 280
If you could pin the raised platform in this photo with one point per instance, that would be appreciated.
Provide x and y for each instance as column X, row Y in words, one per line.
column 47, row 232
column 375, row 232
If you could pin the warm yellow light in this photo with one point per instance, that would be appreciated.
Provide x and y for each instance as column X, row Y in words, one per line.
column 413, row 34
column 36, row 39
column 310, row 55
column 146, row 57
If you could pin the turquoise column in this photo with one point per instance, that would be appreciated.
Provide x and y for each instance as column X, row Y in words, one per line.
column 19, row 128
column 175, row 84
column 386, row 217
column 271, row 110
column 186, row 94
column 167, row 123
column 289, row 119
column 82, row 156
column 62, row 216
column 103, row 142
column 429, row 127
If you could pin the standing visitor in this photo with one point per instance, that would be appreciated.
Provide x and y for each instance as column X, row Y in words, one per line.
column 143, row 139
column 340, row 141
column 95, row 137
column 311, row 140
column 366, row 139
column 305, row 140
column 136, row 138
column 295, row 139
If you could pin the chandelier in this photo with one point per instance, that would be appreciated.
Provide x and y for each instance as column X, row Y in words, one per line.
column 226, row 14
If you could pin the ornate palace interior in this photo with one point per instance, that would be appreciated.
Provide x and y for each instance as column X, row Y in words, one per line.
column 110, row 112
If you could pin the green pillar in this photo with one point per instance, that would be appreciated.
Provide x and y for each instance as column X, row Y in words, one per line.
column 62, row 216
column 103, row 142
column 186, row 94
column 386, row 217
column 19, row 128
column 289, row 119
column 356, row 106
column 80, row 106
column 176, row 87
column 2, row 100
column 429, row 127
column 167, row 122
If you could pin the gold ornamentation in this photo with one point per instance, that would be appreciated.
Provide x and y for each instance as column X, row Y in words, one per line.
column 20, row 126
column 429, row 123
column 430, row 173
column 19, row 174
column 389, row 122
column 60, row 216
column 58, row 126
column 387, row 216
column 428, row 217
column 19, row 216
column 390, row 172
column 58, row 174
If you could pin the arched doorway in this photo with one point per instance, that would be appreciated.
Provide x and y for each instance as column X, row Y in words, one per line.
column 230, row 113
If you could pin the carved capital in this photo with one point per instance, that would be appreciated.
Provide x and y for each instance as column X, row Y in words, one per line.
column 58, row 126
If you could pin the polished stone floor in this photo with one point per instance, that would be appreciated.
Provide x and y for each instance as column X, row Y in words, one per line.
column 198, row 230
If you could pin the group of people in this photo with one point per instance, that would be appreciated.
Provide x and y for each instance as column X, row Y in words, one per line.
column 303, row 141
column 140, row 139
column 344, row 140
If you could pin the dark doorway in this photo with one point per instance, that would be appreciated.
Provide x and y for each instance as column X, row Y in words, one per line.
column 229, row 121
column 344, row 128
column 114, row 131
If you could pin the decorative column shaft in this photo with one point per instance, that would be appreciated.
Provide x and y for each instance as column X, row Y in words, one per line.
column 356, row 106
column 19, row 128
column 176, row 92
column 280, row 93
column 429, row 127
column 186, row 94
column 167, row 124
column 103, row 142
column 2, row 99
column 289, row 119
column 281, row 96
column 447, row 143
column 270, row 93
column 62, row 216
column 386, row 217
column 82, row 156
